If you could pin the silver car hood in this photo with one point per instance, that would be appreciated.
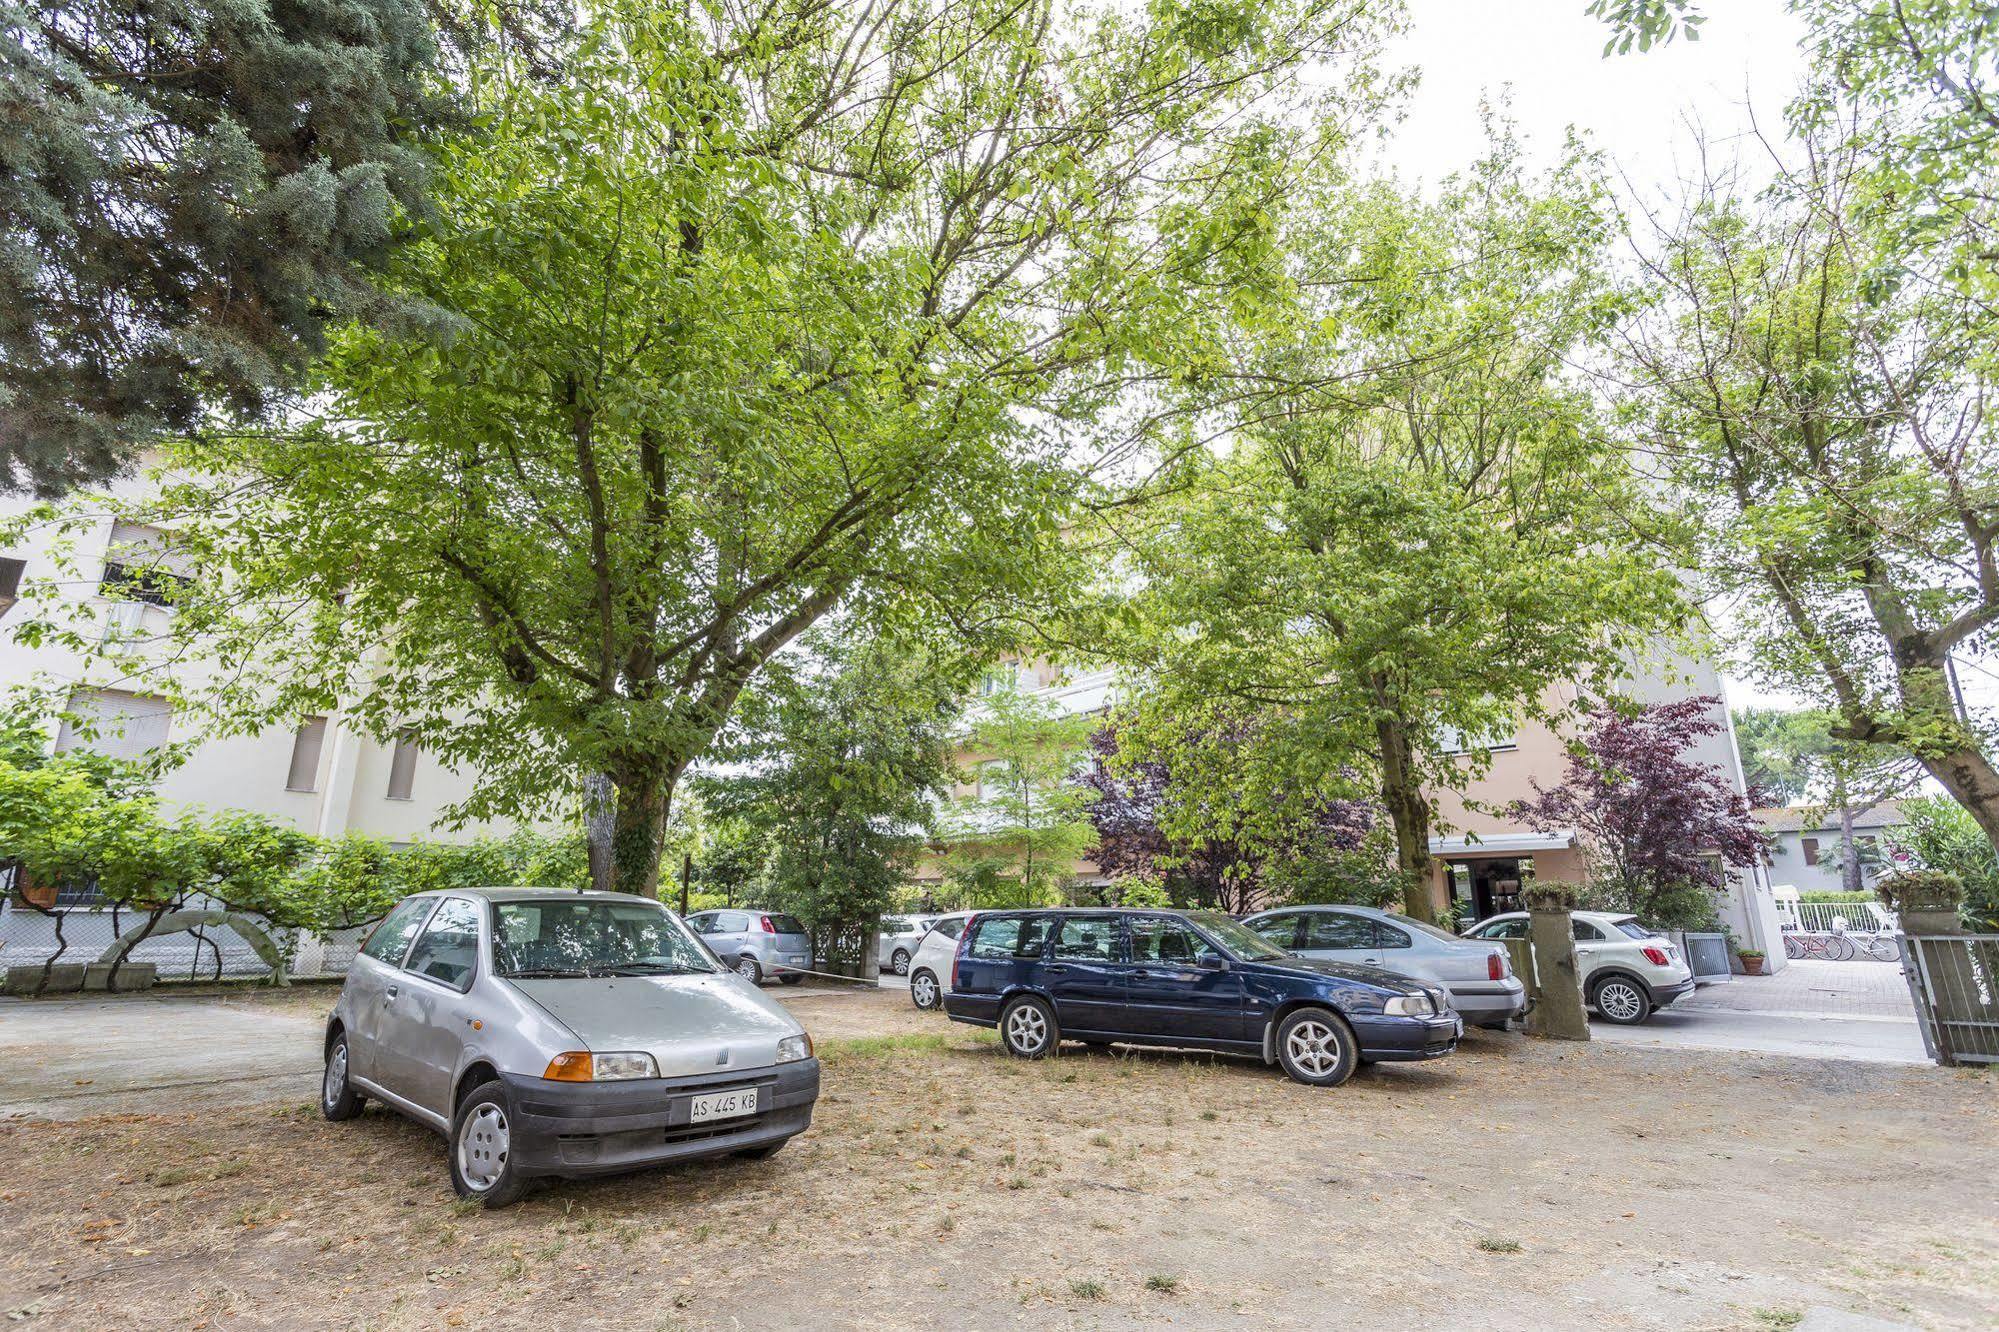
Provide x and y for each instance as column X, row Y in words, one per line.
column 690, row 1024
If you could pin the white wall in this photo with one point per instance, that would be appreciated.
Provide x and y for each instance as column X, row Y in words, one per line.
column 236, row 772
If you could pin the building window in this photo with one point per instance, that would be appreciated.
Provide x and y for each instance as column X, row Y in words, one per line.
column 1811, row 849
column 306, row 748
column 402, row 767
column 992, row 778
column 114, row 723
column 139, row 565
column 1450, row 740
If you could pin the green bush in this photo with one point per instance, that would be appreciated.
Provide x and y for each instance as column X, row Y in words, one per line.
column 1832, row 898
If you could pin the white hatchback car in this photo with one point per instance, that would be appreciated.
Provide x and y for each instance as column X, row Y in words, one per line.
column 930, row 969
column 895, row 946
column 1628, row 972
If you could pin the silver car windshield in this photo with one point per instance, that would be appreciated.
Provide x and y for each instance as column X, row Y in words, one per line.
column 1238, row 938
column 591, row 937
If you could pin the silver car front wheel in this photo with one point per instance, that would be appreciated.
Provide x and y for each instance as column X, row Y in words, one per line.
column 749, row 969
column 900, row 962
column 483, row 1164
column 483, row 1142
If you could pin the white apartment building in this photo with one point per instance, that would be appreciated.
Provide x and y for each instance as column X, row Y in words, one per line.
column 321, row 775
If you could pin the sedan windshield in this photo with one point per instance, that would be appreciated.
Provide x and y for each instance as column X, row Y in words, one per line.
column 1238, row 938
column 592, row 937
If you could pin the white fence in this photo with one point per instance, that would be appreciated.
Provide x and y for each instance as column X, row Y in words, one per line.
column 1837, row 917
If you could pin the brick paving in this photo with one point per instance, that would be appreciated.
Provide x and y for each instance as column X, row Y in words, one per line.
column 1830, row 989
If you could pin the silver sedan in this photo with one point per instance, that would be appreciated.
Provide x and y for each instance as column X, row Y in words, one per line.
column 548, row 1032
column 1479, row 974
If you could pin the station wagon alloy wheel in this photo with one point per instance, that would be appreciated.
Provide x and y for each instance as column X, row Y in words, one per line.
column 1314, row 1047
column 483, row 1141
column 1027, row 1028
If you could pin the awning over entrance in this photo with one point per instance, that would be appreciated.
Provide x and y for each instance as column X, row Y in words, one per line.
column 1503, row 844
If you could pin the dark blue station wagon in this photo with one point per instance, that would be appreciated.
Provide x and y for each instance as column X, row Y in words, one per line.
column 1190, row 979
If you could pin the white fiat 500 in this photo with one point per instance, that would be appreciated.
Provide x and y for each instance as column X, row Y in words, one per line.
column 1628, row 972
column 548, row 1032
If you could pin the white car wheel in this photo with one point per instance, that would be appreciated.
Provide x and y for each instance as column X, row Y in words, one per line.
column 900, row 962
column 924, row 991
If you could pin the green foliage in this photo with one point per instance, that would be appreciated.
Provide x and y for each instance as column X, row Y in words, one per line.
column 1367, row 875
column 1923, row 890
column 1418, row 522
column 1832, row 898
column 63, row 824
column 1015, row 840
column 753, row 315
column 1940, row 836
column 194, row 190
column 1646, row 23
column 839, row 754
column 1675, row 904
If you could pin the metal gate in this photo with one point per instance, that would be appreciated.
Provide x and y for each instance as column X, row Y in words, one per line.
column 1954, row 979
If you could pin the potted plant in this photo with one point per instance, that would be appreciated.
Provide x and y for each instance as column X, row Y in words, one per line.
column 1752, row 961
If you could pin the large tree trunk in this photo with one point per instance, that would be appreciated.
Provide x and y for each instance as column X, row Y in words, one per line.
column 1849, row 852
column 638, row 833
column 1409, row 812
column 599, row 828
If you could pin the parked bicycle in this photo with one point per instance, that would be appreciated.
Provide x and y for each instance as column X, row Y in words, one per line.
column 1837, row 945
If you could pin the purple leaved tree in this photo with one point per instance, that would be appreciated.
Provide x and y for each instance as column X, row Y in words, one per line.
column 1661, row 824
column 1226, row 870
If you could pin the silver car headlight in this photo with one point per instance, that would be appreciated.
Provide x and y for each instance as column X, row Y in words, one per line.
column 589, row 1066
column 794, row 1048
column 1409, row 1005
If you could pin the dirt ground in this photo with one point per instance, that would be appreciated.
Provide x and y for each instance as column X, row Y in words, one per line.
column 1516, row 1185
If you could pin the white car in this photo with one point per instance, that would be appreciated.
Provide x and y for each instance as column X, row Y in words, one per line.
column 896, row 944
column 1627, row 971
column 930, row 969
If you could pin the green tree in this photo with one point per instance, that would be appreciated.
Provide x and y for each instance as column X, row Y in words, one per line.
column 1416, row 524
column 755, row 314
column 193, row 194
column 1793, row 755
column 839, row 758
column 1940, row 836
column 1815, row 391
column 1015, row 839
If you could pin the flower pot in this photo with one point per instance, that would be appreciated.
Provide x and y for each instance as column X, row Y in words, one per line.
column 1752, row 965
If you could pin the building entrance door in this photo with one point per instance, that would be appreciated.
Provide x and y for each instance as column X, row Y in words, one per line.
column 1489, row 885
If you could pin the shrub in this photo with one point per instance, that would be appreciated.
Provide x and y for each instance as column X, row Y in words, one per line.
column 1923, row 890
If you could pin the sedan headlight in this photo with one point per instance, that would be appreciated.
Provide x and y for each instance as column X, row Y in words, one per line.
column 615, row 1066
column 1409, row 1005
column 793, row 1048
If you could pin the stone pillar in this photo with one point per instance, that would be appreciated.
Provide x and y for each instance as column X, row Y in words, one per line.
column 1559, row 1014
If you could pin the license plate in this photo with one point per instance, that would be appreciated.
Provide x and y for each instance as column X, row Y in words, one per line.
column 722, row 1105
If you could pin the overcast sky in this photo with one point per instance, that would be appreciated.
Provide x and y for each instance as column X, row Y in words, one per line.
column 1545, row 57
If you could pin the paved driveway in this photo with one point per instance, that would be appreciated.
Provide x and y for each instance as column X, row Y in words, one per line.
column 68, row 1058
column 1826, row 1010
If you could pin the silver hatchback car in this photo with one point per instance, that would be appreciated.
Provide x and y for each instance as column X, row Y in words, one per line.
column 758, row 944
column 549, row 1032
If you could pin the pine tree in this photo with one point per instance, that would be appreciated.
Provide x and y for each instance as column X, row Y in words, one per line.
column 190, row 191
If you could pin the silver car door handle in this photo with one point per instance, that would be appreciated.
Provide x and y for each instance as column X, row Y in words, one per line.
column 389, row 996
